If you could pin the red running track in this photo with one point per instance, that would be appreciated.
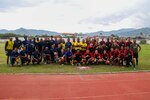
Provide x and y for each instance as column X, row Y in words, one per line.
column 125, row 86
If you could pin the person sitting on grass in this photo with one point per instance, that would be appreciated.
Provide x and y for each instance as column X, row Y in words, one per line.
column 129, row 57
column 105, row 58
column 57, row 53
column 117, row 56
column 111, row 56
column 36, row 57
column 121, row 58
column 97, row 57
column 14, row 57
column 47, row 56
column 24, row 56
column 77, row 58
column 54, row 54
column 68, row 56
column 87, row 58
column 61, row 57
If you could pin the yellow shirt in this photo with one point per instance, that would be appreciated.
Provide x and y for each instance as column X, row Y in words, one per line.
column 73, row 45
column 63, row 45
column 84, row 46
column 10, row 45
column 78, row 45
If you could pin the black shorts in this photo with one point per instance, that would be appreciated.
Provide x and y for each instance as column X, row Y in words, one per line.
column 135, row 55
column 78, row 59
column 87, row 58
column 68, row 60
column 73, row 51
column 8, row 52
column 129, row 58
column 47, row 57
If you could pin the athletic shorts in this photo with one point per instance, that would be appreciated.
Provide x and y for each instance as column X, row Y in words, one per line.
column 78, row 59
column 8, row 52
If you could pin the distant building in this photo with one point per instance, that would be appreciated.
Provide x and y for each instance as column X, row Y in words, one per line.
column 81, row 35
column 64, row 35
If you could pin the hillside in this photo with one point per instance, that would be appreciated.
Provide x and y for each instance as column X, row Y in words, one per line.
column 31, row 32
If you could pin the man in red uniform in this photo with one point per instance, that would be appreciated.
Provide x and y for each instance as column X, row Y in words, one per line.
column 108, row 44
column 105, row 57
column 97, row 57
column 129, row 57
column 111, row 54
column 91, row 48
column 122, row 57
column 117, row 56
column 87, row 58
column 102, row 41
column 129, row 43
column 77, row 57
column 122, row 42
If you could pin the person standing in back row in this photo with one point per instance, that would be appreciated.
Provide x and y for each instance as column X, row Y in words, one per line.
column 136, row 48
column 9, row 46
column 68, row 44
column 17, row 43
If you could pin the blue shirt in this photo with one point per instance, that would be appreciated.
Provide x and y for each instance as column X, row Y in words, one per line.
column 68, row 45
column 68, row 54
column 14, row 54
column 56, row 43
column 25, row 42
column 23, row 53
column 36, row 55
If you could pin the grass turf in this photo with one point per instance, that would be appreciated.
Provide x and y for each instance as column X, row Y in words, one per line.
column 144, row 64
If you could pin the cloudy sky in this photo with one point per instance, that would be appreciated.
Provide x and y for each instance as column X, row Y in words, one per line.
column 74, row 15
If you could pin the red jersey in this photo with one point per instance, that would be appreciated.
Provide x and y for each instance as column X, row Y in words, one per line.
column 117, row 54
column 78, row 55
column 122, row 53
column 112, row 53
column 97, row 56
column 129, row 43
column 87, row 55
column 91, row 48
column 105, row 56
column 128, row 53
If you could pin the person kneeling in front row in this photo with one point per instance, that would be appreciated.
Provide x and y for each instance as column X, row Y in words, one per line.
column 24, row 56
column 36, row 57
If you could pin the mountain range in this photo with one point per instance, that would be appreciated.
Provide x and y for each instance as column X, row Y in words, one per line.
column 31, row 32
column 121, row 32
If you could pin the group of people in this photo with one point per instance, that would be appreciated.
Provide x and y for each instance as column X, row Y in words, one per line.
column 122, row 51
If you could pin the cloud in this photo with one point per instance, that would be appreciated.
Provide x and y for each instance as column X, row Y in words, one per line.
column 74, row 15
column 106, row 20
column 141, row 19
column 138, row 13
column 9, row 5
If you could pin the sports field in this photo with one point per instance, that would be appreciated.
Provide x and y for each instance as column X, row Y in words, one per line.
column 144, row 64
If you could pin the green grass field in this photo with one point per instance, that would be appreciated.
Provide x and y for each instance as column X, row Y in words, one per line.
column 144, row 64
